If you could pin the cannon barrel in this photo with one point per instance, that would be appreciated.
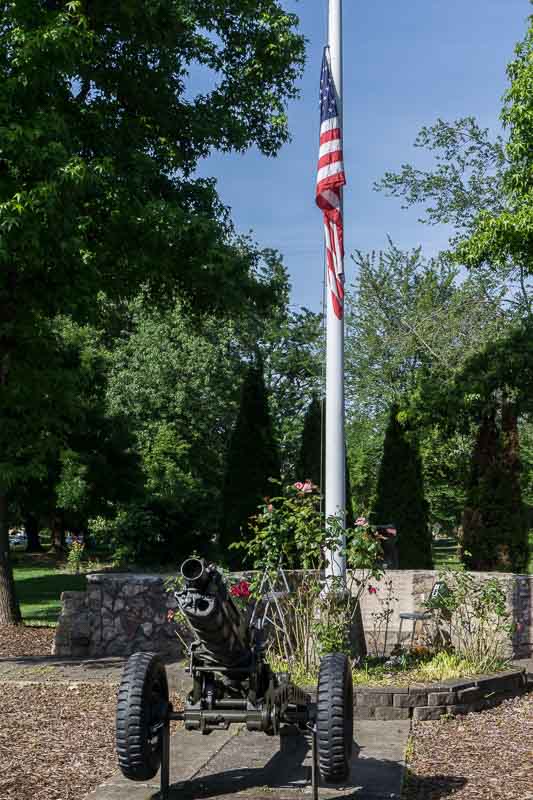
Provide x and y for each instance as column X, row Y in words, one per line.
column 223, row 636
column 195, row 573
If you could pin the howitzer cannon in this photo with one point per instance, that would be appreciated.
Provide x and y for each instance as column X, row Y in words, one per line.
column 232, row 683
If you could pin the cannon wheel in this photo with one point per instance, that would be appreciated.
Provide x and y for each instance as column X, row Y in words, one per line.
column 334, row 722
column 141, row 708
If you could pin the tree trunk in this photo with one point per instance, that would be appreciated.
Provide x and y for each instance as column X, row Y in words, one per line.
column 9, row 607
column 57, row 526
column 31, row 526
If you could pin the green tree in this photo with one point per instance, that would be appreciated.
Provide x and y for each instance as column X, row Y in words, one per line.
column 311, row 461
column 494, row 522
column 466, row 184
column 176, row 377
column 101, row 129
column 504, row 235
column 252, row 463
column 290, row 343
column 399, row 497
column 412, row 323
column 310, row 458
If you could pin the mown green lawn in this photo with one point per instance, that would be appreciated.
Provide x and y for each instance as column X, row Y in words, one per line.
column 446, row 554
column 39, row 583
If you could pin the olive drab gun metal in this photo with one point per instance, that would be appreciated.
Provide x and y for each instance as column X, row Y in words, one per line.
column 232, row 683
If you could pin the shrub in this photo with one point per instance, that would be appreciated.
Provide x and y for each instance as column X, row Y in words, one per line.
column 495, row 535
column 474, row 614
column 399, row 497
column 76, row 554
column 253, row 460
column 290, row 529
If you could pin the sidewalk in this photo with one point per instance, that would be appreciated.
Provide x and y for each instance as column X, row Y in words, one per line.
column 234, row 763
column 238, row 764
column 49, row 669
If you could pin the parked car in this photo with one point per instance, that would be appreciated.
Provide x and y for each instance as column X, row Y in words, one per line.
column 18, row 540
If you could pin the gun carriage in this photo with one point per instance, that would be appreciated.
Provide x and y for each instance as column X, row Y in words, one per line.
column 232, row 683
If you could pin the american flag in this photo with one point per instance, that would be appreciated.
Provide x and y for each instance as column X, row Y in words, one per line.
column 329, row 180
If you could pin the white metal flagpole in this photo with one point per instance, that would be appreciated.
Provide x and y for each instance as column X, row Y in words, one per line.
column 335, row 501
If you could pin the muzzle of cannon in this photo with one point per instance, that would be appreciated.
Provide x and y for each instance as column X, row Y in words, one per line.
column 223, row 637
column 231, row 683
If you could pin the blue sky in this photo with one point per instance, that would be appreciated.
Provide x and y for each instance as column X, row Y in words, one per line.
column 406, row 63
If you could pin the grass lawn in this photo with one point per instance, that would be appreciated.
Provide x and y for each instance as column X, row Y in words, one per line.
column 39, row 584
column 445, row 553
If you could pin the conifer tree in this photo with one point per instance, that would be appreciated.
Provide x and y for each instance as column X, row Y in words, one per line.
column 494, row 524
column 312, row 457
column 309, row 459
column 399, row 497
column 253, row 460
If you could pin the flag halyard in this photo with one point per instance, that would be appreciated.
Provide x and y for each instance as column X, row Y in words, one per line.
column 329, row 182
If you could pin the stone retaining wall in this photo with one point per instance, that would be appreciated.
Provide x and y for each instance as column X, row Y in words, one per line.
column 118, row 615
column 124, row 612
column 410, row 588
column 436, row 700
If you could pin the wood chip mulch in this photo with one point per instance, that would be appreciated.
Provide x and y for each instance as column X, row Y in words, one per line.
column 482, row 756
column 56, row 741
column 24, row 640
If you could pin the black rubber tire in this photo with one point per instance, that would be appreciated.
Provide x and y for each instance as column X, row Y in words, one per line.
column 142, row 703
column 334, row 717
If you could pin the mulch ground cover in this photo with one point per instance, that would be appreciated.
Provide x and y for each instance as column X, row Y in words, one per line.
column 56, row 741
column 482, row 756
column 22, row 640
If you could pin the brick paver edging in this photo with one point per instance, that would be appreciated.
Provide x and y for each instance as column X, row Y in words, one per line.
column 432, row 701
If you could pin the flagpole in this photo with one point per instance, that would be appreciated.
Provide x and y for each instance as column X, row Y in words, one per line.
column 335, row 501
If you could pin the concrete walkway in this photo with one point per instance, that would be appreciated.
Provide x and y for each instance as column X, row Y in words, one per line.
column 234, row 763
column 50, row 669
column 238, row 764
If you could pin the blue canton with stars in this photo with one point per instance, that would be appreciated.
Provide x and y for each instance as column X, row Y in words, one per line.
column 328, row 98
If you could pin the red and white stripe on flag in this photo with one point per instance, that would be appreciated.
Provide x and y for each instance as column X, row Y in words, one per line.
column 330, row 179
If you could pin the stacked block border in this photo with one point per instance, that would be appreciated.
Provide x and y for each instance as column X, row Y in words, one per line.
column 435, row 700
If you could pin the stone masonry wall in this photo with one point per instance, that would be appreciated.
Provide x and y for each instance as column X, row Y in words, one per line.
column 119, row 614
column 410, row 588
column 122, row 613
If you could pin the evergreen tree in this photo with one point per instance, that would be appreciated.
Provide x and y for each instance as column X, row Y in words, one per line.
column 253, row 460
column 399, row 497
column 309, row 459
column 312, row 457
column 494, row 521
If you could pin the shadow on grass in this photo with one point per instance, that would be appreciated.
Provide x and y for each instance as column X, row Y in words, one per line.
column 39, row 592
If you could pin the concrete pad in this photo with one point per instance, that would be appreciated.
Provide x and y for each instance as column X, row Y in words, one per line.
column 189, row 752
column 239, row 764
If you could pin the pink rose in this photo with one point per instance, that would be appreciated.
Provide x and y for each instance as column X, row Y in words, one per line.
column 372, row 590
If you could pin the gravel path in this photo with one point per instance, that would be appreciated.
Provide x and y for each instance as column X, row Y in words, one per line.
column 484, row 756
